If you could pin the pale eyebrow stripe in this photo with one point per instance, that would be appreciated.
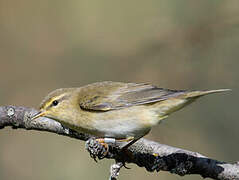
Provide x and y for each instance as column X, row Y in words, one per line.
column 59, row 100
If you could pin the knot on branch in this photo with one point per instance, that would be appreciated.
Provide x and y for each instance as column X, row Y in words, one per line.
column 10, row 113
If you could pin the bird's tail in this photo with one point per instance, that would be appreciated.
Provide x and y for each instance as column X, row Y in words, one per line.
column 195, row 94
column 177, row 103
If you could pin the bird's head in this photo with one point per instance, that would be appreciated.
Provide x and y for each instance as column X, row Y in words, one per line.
column 57, row 104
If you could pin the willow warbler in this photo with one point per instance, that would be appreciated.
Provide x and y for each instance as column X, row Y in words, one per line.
column 116, row 110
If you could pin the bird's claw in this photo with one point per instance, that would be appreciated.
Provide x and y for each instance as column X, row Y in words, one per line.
column 97, row 148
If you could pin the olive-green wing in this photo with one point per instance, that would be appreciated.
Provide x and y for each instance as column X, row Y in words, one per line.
column 107, row 96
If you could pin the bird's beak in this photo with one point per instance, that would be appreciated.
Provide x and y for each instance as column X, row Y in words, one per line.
column 39, row 114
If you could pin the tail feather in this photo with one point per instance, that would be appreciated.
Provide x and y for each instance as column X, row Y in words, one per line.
column 202, row 93
column 177, row 103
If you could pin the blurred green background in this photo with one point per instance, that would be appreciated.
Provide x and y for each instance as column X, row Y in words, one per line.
column 187, row 44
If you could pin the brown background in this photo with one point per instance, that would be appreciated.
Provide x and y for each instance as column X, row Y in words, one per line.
column 187, row 44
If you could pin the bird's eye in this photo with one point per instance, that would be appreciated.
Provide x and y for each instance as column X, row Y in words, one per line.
column 55, row 102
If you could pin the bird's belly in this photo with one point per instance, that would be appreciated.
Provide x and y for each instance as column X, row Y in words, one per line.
column 122, row 123
column 123, row 129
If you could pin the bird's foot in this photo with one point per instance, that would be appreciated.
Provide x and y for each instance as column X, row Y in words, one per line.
column 98, row 148
column 107, row 147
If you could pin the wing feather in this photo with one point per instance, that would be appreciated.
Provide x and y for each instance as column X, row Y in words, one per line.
column 109, row 95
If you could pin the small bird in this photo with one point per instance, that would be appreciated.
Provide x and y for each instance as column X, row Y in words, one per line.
column 115, row 111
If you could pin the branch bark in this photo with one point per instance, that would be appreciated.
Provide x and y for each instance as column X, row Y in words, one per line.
column 145, row 153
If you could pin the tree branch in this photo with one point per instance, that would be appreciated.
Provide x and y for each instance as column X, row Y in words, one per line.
column 145, row 153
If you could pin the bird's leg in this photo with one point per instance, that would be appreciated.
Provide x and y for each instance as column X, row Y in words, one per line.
column 126, row 140
column 130, row 140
